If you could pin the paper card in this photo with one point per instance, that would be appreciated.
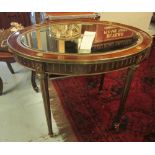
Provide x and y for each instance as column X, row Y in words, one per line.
column 87, row 41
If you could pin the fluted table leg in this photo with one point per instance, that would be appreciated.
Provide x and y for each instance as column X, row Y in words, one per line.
column 116, row 121
column 46, row 99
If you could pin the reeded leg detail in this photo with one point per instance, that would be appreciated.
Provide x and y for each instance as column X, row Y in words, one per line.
column 33, row 81
column 116, row 121
column 1, row 86
column 46, row 99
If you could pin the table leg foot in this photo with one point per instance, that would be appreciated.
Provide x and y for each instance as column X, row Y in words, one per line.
column 51, row 134
column 121, row 126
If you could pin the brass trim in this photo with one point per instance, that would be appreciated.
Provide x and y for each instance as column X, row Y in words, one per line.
column 73, row 61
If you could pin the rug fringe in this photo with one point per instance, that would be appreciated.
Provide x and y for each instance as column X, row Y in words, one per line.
column 65, row 129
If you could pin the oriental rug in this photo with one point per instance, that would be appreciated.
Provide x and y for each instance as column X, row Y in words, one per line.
column 88, row 115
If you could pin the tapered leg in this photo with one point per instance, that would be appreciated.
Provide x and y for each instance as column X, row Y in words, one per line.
column 101, row 82
column 46, row 99
column 116, row 121
column 1, row 86
column 33, row 81
column 10, row 68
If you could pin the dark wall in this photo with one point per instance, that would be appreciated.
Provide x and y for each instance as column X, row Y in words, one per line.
column 21, row 17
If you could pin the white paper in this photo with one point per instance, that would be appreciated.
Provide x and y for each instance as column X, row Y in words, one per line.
column 87, row 41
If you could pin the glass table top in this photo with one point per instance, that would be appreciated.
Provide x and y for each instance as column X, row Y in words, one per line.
column 76, row 38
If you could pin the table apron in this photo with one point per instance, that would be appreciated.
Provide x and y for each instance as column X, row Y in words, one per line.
column 76, row 69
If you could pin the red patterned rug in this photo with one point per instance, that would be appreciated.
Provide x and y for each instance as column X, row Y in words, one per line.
column 90, row 114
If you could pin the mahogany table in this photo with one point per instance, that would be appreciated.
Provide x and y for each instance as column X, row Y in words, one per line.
column 78, row 48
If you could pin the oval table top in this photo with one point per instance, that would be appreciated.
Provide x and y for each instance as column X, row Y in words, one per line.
column 78, row 41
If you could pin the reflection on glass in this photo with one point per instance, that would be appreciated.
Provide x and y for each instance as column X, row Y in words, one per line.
column 64, row 31
column 79, row 38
